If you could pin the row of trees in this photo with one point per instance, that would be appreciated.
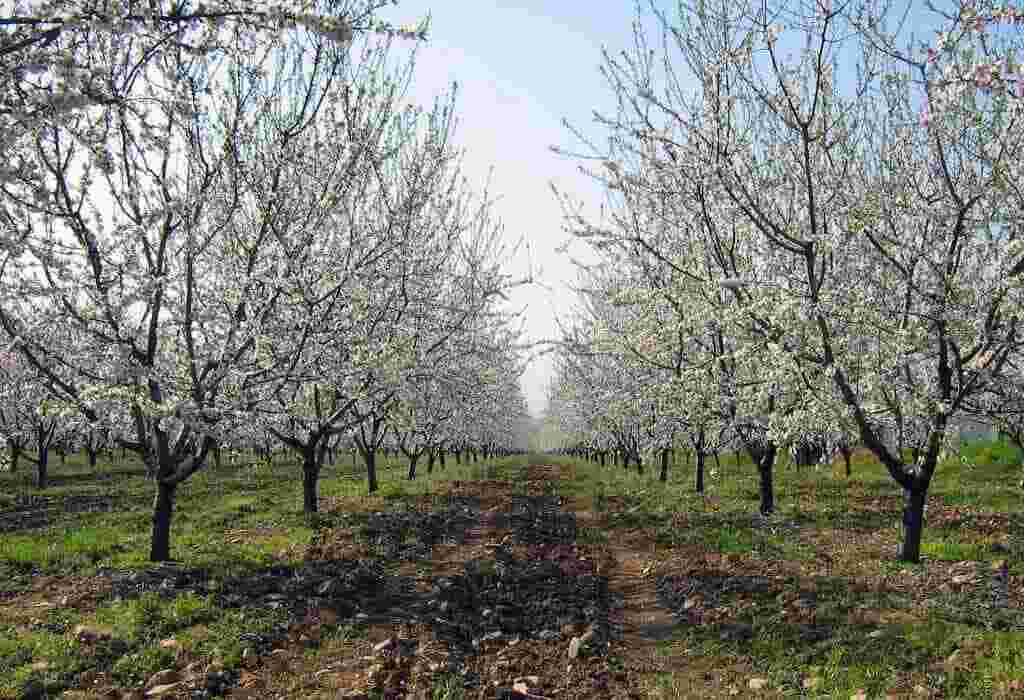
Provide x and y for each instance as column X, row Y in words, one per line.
column 227, row 223
column 805, row 246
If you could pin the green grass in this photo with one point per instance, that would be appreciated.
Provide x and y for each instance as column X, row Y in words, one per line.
column 866, row 505
column 267, row 501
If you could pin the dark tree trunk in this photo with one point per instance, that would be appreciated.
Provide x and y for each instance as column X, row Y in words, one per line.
column 718, row 465
column 764, row 469
column 44, row 438
column 163, row 508
column 310, row 480
column 431, row 456
column 847, row 454
column 441, row 456
column 41, row 467
column 700, row 471
column 664, row 466
column 913, row 523
column 412, row 466
column 92, row 457
column 370, row 457
column 216, row 458
column 15, row 451
column 639, row 463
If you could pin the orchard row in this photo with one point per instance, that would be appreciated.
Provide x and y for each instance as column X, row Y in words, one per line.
column 812, row 239
column 225, row 227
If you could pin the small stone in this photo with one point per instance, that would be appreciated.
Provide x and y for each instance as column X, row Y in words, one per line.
column 277, row 661
column 40, row 666
column 811, row 683
column 327, row 616
column 876, row 634
column 381, row 647
column 167, row 676
column 160, row 691
column 249, row 658
column 169, row 643
column 571, row 629
column 65, row 601
column 87, row 633
column 757, row 683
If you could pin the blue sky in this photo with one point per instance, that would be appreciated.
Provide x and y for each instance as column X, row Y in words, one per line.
column 522, row 67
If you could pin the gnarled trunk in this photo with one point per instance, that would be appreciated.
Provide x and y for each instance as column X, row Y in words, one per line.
column 913, row 522
column 310, row 480
column 163, row 507
column 764, row 458
column 42, row 467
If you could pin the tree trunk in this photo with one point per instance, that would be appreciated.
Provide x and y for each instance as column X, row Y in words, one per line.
column 847, row 453
column 431, row 456
column 913, row 523
column 370, row 457
column 310, row 480
column 639, row 464
column 216, row 458
column 92, row 457
column 764, row 468
column 15, row 456
column 664, row 466
column 163, row 507
column 412, row 466
column 700, row 471
column 41, row 467
column 441, row 455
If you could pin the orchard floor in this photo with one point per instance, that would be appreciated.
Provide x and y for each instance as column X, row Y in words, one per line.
column 543, row 577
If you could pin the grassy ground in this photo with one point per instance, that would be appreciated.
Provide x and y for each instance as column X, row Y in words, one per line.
column 916, row 629
column 228, row 521
column 899, row 630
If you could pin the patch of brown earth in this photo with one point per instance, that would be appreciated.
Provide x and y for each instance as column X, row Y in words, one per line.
column 49, row 593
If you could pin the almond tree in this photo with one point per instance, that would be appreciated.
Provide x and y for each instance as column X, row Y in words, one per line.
column 155, row 252
column 886, row 227
column 51, row 70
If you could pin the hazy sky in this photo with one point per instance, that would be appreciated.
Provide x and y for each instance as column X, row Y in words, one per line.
column 523, row 66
